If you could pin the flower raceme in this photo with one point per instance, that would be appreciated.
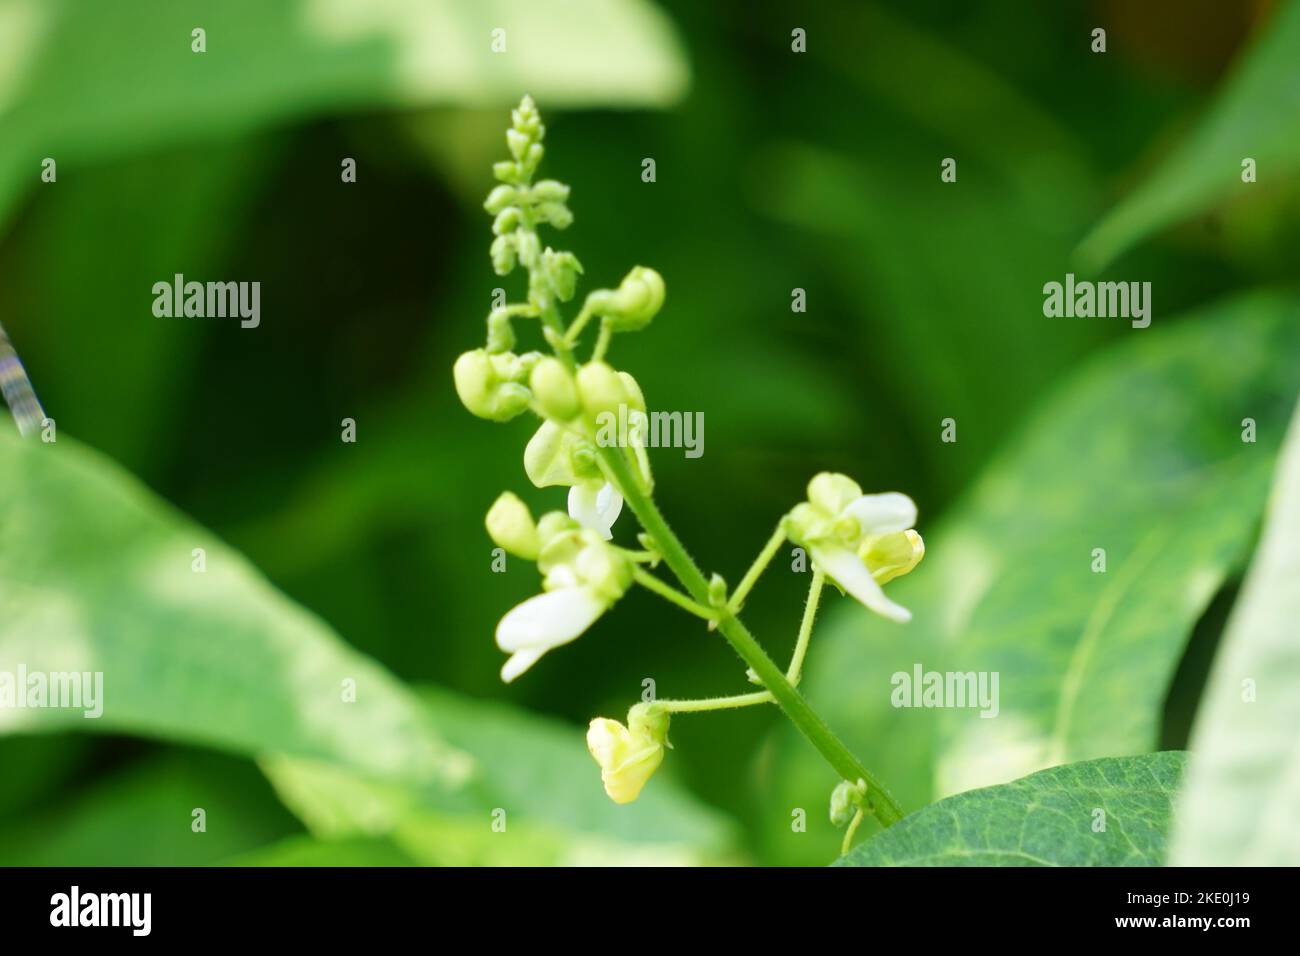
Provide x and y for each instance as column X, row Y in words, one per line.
column 860, row 541
column 582, row 577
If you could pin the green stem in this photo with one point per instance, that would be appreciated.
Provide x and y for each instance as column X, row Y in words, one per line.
column 575, row 330
column 795, row 670
column 810, row 724
column 670, row 593
column 756, row 569
column 714, row 703
column 602, row 342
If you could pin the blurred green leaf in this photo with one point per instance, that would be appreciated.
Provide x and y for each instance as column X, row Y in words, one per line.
column 538, row 779
column 143, row 816
column 1240, row 807
column 939, row 306
column 97, row 577
column 1254, row 115
column 1140, row 453
column 83, row 82
column 1050, row 818
column 306, row 851
column 95, row 336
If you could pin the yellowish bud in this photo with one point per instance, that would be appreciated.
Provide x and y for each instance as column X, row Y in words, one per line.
column 628, row 757
column 889, row 556
column 555, row 389
column 510, row 525
column 601, row 389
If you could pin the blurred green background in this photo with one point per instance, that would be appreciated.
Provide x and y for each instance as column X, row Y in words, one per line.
column 776, row 170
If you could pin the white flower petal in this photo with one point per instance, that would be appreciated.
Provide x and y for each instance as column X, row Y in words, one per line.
column 884, row 513
column 595, row 508
column 609, row 503
column 848, row 571
column 519, row 662
column 549, row 619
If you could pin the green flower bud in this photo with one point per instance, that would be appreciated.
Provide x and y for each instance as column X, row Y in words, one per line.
column 561, row 270
column 507, row 221
column 528, row 248
column 503, row 254
column 499, row 198
column 845, row 800
column 500, row 334
column 510, row 525
column 526, row 118
column 557, row 214
column 518, row 143
column 482, row 390
column 555, row 389
column 507, row 172
column 601, row 389
column 550, row 190
column 717, row 590
column 532, row 159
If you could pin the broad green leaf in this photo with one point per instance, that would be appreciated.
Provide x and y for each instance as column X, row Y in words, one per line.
column 1254, row 115
column 143, row 815
column 1110, row 812
column 1242, row 803
column 1142, row 457
column 83, row 82
column 540, row 801
column 97, row 575
column 1140, row 453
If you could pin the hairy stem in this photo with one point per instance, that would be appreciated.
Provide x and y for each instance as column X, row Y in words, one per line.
column 795, row 670
column 757, row 568
column 670, row 593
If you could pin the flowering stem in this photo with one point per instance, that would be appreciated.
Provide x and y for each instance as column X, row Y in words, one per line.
column 795, row 670
column 756, row 569
column 878, row 800
column 670, row 593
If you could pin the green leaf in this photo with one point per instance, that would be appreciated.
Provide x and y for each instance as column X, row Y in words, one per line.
column 1110, row 812
column 98, row 576
column 1254, row 115
column 306, row 851
column 87, row 82
column 1140, row 453
column 143, row 815
column 540, row 801
column 1240, row 807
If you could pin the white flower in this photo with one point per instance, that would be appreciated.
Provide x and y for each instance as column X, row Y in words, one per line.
column 595, row 507
column 583, row 577
column 859, row 541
